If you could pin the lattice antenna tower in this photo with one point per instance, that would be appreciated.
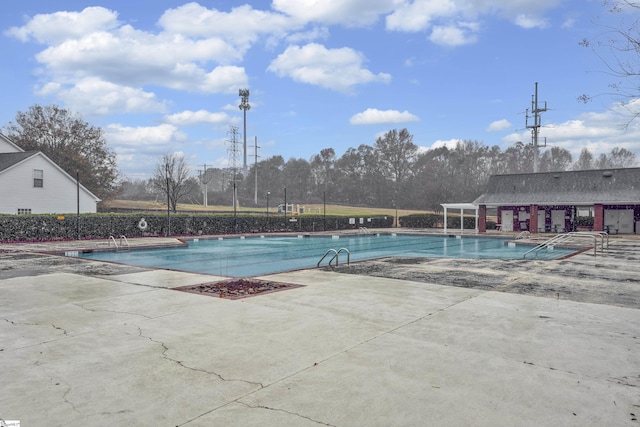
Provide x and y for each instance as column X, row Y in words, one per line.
column 234, row 150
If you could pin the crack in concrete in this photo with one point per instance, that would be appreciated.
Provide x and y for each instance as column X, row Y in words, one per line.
column 286, row 412
column 58, row 381
column 237, row 400
column 96, row 310
column 165, row 349
column 66, row 400
column 625, row 381
column 327, row 359
column 64, row 331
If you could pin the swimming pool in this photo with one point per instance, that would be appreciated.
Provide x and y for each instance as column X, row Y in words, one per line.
column 254, row 256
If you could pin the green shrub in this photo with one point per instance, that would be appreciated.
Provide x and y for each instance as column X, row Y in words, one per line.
column 21, row 228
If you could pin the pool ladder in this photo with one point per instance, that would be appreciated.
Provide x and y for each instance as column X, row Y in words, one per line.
column 122, row 239
column 567, row 238
column 335, row 256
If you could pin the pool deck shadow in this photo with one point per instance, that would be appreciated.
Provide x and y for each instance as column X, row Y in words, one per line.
column 527, row 343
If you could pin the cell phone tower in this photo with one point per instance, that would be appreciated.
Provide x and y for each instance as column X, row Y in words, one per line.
column 535, row 127
column 244, row 106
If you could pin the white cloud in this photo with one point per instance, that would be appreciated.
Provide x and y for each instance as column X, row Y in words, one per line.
column 598, row 132
column 450, row 144
column 529, row 21
column 98, row 65
column 221, row 79
column 454, row 35
column 241, row 27
column 374, row 116
column 132, row 57
column 188, row 117
column 316, row 33
column 337, row 69
column 93, row 96
column 56, row 27
column 154, row 139
column 140, row 148
column 351, row 13
column 499, row 125
column 419, row 14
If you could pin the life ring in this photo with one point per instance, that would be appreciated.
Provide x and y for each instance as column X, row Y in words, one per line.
column 142, row 224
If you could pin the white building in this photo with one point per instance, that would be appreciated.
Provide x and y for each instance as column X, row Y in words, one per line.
column 30, row 183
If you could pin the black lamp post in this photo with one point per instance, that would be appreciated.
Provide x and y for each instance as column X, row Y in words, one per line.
column 324, row 210
column 168, row 204
column 268, row 225
column 397, row 221
column 78, row 205
column 235, row 202
column 285, row 206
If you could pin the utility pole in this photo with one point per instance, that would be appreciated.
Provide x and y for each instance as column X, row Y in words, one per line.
column 255, row 168
column 535, row 127
column 244, row 106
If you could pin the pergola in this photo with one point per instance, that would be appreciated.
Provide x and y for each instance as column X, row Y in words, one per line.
column 462, row 207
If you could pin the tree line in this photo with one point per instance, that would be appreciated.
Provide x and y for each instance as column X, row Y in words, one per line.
column 393, row 172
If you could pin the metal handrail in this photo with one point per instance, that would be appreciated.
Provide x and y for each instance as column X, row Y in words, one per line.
column 325, row 255
column 123, row 237
column 335, row 256
column 596, row 234
column 555, row 240
column 338, row 253
column 113, row 239
column 522, row 235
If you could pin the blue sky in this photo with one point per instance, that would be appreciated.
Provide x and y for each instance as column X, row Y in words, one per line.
column 163, row 76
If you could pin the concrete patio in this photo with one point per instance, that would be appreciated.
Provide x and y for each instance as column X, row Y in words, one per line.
column 81, row 346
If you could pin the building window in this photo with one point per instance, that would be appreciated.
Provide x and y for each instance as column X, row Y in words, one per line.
column 38, row 178
column 22, row 211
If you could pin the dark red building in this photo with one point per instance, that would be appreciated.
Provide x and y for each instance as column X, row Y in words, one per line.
column 558, row 202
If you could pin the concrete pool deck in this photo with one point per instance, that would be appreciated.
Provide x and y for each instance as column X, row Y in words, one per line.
column 92, row 344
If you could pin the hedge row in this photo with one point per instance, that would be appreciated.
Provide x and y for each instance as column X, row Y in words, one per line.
column 16, row 228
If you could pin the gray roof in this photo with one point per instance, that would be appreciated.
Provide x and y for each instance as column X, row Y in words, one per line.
column 9, row 159
column 606, row 186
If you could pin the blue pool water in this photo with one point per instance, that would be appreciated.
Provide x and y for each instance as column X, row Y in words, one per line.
column 254, row 256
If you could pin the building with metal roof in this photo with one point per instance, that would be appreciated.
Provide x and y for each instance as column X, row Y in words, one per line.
column 552, row 201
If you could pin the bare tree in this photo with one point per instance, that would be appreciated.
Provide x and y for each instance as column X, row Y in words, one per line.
column 555, row 159
column 172, row 178
column 619, row 49
column 618, row 158
column 73, row 144
column 323, row 168
column 585, row 161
